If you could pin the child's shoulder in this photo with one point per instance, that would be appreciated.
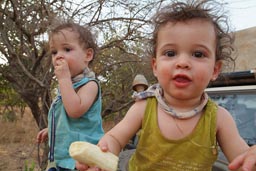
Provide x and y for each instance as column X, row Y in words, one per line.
column 222, row 111
column 138, row 108
column 140, row 104
column 224, row 118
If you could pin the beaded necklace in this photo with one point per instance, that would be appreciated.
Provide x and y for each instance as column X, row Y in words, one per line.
column 156, row 90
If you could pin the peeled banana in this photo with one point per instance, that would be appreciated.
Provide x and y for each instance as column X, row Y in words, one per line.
column 92, row 155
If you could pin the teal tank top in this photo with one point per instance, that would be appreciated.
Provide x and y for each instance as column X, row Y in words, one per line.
column 86, row 128
column 195, row 152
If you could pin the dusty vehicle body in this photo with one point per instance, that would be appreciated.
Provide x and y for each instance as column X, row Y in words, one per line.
column 236, row 92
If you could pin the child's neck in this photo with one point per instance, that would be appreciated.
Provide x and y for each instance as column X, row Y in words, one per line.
column 182, row 110
column 183, row 105
column 86, row 73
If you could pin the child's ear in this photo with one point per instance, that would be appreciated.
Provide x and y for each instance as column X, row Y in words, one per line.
column 154, row 67
column 88, row 55
column 217, row 70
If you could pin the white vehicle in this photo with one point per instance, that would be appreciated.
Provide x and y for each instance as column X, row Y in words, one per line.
column 237, row 93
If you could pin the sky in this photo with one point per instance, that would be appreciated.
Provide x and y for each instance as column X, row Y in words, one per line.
column 242, row 13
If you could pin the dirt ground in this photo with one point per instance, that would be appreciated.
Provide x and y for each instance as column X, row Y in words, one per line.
column 17, row 144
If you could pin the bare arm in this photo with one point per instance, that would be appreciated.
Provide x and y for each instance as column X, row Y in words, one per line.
column 75, row 103
column 231, row 143
column 118, row 137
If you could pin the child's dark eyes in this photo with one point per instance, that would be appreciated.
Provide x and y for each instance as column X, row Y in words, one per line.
column 170, row 53
column 67, row 49
column 54, row 52
column 198, row 54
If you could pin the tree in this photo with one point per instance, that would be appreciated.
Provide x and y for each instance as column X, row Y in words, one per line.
column 10, row 102
column 122, row 28
column 23, row 25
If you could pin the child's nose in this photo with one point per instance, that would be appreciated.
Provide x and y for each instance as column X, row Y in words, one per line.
column 58, row 57
column 183, row 61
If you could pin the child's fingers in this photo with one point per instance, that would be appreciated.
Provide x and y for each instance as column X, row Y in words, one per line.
column 247, row 161
column 94, row 169
column 236, row 163
column 39, row 137
column 103, row 146
column 81, row 167
column 89, row 169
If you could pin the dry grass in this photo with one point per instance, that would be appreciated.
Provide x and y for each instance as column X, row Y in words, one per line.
column 18, row 143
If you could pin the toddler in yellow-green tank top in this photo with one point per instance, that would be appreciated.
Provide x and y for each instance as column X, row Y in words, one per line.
column 197, row 151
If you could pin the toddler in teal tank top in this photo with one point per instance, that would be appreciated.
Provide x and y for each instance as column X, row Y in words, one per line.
column 75, row 114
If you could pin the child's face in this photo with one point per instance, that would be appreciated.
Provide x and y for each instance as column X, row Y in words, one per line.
column 185, row 58
column 65, row 45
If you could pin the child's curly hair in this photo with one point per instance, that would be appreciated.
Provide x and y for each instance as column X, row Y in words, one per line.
column 86, row 38
column 197, row 9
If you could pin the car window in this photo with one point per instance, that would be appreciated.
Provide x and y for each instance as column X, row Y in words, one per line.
column 243, row 109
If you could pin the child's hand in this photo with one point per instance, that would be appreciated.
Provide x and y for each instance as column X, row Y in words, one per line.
column 84, row 167
column 109, row 143
column 103, row 145
column 92, row 155
column 61, row 69
column 81, row 167
column 42, row 136
column 246, row 160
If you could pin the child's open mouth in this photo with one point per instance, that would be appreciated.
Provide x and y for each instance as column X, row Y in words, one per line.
column 181, row 80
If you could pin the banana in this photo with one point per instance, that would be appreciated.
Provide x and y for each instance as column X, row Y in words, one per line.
column 92, row 155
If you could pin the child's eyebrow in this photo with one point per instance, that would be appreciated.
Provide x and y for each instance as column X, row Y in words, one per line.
column 65, row 44
column 203, row 46
column 163, row 46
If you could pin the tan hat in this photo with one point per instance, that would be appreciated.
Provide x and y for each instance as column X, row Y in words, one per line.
column 139, row 81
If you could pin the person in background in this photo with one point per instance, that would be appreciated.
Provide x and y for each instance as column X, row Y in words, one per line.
column 75, row 114
column 180, row 127
column 139, row 84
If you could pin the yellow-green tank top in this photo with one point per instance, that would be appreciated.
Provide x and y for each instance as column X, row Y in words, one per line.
column 192, row 153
